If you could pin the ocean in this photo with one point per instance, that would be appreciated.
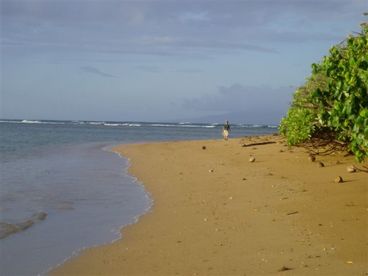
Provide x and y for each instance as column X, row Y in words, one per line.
column 62, row 189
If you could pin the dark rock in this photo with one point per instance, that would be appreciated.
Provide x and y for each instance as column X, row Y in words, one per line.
column 39, row 216
column 320, row 164
column 203, row 147
column 7, row 229
column 25, row 224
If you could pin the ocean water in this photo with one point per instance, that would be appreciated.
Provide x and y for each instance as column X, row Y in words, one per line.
column 65, row 169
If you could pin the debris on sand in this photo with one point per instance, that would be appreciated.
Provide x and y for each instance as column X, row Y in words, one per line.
column 339, row 179
column 285, row 268
column 311, row 158
column 351, row 169
column 292, row 213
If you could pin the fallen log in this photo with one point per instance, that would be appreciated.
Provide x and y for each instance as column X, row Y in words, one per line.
column 258, row 144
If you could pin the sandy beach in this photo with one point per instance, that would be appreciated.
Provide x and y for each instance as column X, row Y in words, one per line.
column 217, row 213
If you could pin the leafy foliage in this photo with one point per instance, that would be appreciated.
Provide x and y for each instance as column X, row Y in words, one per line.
column 335, row 98
column 297, row 125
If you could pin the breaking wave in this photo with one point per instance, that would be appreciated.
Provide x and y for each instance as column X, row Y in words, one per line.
column 136, row 124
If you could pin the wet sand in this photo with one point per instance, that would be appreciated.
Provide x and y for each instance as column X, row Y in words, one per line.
column 217, row 213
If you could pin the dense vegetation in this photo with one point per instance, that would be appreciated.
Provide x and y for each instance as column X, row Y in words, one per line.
column 333, row 102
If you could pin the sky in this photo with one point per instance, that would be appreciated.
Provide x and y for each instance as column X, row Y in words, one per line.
column 164, row 60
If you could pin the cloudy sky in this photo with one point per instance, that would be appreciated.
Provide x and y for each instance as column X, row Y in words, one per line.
column 164, row 60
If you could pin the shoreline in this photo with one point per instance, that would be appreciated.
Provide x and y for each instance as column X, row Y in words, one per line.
column 82, row 213
column 214, row 212
column 77, row 252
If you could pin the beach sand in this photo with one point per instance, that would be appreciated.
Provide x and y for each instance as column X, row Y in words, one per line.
column 217, row 213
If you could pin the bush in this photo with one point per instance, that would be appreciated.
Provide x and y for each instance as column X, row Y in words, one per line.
column 335, row 98
column 298, row 125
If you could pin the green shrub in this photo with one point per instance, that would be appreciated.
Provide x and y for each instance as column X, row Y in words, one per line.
column 335, row 98
column 298, row 125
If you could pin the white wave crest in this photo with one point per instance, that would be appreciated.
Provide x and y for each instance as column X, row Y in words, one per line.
column 113, row 125
column 10, row 121
column 163, row 125
column 96, row 123
column 130, row 125
column 30, row 122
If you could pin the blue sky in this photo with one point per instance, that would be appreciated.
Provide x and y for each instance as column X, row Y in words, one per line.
column 164, row 60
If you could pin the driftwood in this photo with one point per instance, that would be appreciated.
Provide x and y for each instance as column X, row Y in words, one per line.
column 362, row 170
column 292, row 213
column 258, row 144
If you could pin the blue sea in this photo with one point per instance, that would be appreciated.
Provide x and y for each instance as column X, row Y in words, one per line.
column 64, row 190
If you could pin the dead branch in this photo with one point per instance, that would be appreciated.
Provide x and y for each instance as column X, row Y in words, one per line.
column 258, row 144
column 324, row 145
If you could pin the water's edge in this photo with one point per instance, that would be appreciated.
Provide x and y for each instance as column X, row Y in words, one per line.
column 125, row 169
column 69, row 170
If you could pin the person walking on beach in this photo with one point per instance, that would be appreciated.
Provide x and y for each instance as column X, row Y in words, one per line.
column 226, row 130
